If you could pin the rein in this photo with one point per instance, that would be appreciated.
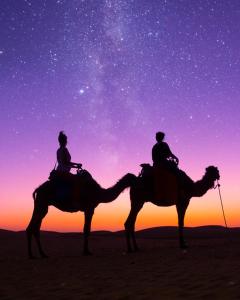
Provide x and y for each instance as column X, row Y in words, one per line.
column 220, row 196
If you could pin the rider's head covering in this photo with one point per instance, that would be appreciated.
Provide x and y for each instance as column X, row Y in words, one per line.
column 160, row 136
column 62, row 138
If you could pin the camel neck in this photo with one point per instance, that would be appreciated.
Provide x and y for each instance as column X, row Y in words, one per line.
column 202, row 186
column 110, row 194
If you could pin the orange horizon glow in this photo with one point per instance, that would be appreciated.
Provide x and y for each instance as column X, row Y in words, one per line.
column 198, row 214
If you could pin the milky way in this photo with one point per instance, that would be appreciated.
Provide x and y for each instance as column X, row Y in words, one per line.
column 112, row 73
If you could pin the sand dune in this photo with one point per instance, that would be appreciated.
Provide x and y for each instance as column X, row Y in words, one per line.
column 209, row 269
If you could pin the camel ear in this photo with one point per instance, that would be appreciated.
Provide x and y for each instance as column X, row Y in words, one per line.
column 208, row 169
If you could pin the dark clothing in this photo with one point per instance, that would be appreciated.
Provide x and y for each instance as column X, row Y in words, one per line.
column 160, row 153
column 164, row 158
column 64, row 160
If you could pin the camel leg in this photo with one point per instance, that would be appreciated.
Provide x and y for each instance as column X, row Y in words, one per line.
column 34, row 229
column 86, row 231
column 181, row 210
column 29, row 240
column 130, row 226
column 30, row 230
column 37, row 237
column 135, row 246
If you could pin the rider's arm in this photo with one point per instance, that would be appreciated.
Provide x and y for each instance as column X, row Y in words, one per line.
column 171, row 155
column 174, row 157
column 75, row 165
column 66, row 158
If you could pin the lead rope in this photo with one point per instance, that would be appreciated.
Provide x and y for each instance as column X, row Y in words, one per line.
column 220, row 196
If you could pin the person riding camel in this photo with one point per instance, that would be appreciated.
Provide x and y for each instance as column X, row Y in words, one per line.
column 62, row 177
column 161, row 153
column 165, row 170
column 64, row 157
column 165, row 165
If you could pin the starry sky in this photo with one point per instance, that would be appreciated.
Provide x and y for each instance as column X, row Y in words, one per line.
column 110, row 74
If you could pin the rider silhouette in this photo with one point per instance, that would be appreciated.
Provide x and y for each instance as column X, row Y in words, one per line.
column 161, row 153
column 63, row 155
column 162, row 156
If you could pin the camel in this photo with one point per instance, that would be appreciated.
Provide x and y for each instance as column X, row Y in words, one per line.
column 81, row 193
column 143, row 191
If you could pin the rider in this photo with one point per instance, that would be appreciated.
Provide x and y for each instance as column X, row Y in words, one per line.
column 163, row 156
column 63, row 156
column 161, row 153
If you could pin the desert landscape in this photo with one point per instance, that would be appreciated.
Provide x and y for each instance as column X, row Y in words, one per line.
column 209, row 269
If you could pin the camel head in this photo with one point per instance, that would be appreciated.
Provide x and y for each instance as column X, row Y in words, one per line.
column 128, row 180
column 207, row 182
column 212, row 174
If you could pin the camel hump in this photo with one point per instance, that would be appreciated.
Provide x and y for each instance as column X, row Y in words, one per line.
column 67, row 183
column 82, row 175
column 59, row 175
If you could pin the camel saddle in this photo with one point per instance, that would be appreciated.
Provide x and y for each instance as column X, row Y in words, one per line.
column 70, row 185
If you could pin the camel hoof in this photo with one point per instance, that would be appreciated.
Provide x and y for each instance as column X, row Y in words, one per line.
column 31, row 257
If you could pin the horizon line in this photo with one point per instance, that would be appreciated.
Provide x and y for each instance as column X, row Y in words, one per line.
column 116, row 231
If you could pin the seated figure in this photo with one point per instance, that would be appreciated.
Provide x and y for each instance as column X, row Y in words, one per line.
column 161, row 153
column 166, row 174
column 63, row 156
column 61, row 176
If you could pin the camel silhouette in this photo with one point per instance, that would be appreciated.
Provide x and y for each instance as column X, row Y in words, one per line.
column 180, row 192
column 82, row 193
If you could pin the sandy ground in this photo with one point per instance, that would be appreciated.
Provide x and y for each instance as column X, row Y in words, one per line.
column 209, row 270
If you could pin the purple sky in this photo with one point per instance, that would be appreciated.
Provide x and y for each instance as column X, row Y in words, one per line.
column 111, row 74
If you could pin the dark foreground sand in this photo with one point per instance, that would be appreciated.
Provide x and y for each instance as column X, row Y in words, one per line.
column 209, row 270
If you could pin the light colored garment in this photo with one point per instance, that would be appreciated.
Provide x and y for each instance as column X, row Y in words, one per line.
column 63, row 159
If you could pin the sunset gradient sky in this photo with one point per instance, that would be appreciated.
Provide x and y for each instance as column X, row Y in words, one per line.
column 110, row 74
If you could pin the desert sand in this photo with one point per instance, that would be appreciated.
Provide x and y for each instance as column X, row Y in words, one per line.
column 210, row 269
